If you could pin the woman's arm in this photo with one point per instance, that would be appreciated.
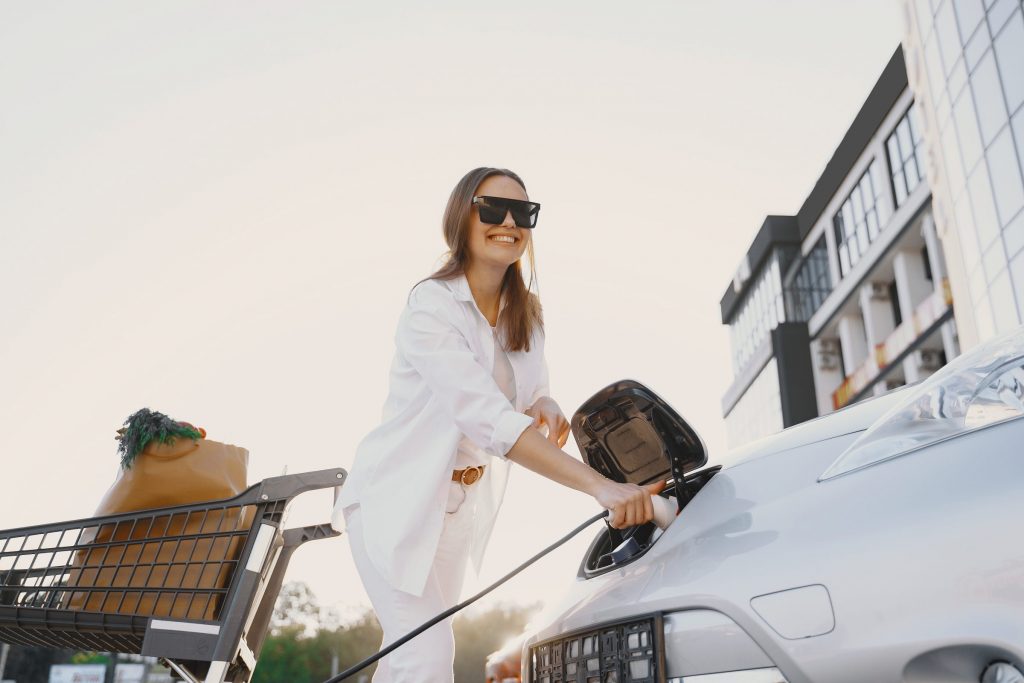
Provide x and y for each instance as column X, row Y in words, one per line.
column 629, row 504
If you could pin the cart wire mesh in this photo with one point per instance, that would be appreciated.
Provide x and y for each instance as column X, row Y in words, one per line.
column 95, row 583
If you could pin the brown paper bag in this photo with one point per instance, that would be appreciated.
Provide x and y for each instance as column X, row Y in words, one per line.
column 165, row 475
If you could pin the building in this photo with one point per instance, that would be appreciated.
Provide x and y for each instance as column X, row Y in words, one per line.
column 966, row 66
column 850, row 297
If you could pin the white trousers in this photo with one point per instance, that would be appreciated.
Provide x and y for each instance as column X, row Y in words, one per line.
column 430, row 656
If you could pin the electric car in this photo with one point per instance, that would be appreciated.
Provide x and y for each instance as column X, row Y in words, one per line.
column 880, row 543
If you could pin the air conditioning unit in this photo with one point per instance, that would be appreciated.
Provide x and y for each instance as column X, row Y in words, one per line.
column 891, row 384
column 929, row 359
column 828, row 354
column 879, row 291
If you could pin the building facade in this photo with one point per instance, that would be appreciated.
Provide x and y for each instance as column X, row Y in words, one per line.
column 965, row 62
column 850, row 297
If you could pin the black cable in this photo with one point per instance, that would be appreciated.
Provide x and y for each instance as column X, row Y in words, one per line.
column 465, row 603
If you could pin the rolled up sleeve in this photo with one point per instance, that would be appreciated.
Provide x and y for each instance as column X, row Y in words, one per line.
column 466, row 391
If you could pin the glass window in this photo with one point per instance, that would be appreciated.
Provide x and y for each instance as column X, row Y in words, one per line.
column 844, row 258
column 988, row 99
column 949, row 39
column 1013, row 235
column 903, row 137
column 898, row 181
column 872, row 226
column 969, row 14
column 957, row 79
column 808, row 284
column 858, row 205
column 1006, row 180
column 994, row 260
column 905, row 147
column 985, row 221
column 861, row 218
column 878, row 187
column 967, row 129
column 1018, row 133
column 976, row 47
column 1010, row 56
column 999, row 12
column 759, row 313
column 944, row 111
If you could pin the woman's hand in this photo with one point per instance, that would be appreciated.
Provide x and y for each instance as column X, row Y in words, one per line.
column 628, row 504
column 546, row 411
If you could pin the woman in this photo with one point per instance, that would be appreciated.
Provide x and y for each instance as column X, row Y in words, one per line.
column 468, row 393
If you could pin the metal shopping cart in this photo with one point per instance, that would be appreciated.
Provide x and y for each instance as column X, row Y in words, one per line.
column 194, row 585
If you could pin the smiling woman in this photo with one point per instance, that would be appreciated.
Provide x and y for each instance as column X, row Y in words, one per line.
column 468, row 384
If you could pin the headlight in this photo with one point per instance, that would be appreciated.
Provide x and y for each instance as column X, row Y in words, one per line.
column 980, row 388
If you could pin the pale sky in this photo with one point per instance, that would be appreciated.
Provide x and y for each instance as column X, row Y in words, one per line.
column 215, row 210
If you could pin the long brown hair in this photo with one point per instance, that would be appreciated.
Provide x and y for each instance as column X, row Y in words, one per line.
column 522, row 307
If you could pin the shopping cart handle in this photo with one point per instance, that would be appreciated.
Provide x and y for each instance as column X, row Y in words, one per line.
column 291, row 485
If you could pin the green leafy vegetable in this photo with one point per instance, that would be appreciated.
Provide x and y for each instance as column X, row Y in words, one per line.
column 145, row 426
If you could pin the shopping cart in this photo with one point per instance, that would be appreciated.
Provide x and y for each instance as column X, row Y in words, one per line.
column 194, row 585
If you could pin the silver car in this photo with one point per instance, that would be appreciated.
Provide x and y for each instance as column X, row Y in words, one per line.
column 883, row 542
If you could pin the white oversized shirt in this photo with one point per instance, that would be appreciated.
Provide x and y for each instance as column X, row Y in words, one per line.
column 468, row 453
column 440, row 388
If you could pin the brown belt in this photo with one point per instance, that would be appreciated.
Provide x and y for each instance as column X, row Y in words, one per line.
column 468, row 475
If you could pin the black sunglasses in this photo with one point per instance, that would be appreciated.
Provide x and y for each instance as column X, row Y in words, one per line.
column 493, row 210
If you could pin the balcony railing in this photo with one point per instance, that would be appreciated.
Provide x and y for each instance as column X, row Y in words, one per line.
column 895, row 346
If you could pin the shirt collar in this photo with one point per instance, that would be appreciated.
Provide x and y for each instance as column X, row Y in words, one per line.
column 460, row 286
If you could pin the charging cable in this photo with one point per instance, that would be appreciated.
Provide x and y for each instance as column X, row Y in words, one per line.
column 465, row 603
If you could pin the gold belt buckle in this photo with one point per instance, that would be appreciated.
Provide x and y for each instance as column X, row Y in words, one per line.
column 471, row 475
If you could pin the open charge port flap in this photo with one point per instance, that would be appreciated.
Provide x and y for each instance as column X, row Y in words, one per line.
column 629, row 434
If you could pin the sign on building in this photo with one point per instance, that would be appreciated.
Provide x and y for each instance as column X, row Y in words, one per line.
column 78, row 673
column 130, row 673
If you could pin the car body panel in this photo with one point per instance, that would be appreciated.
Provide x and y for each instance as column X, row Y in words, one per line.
column 920, row 555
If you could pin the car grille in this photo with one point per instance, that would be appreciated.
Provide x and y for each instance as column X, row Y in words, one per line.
column 623, row 652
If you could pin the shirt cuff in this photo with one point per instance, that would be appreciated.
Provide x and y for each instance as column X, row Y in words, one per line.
column 509, row 427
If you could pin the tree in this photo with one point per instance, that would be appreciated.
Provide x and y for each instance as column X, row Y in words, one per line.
column 351, row 643
column 296, row 606
column 285, row 658
column 477, row 636
column 292, row 655
column 33, row 663
column 304, row 637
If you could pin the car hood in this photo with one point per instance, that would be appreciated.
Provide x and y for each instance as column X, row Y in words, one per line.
column 629, row 434
column 853, row 418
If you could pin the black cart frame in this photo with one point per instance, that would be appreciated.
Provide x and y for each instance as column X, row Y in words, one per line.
column 139, row 597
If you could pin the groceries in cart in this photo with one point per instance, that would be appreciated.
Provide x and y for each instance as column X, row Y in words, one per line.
column 180, row 561
column 164, row 462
